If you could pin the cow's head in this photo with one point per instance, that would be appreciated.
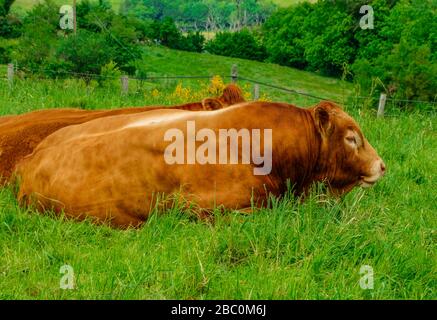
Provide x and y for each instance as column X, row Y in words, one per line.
column 232, row 94
column 346, row 159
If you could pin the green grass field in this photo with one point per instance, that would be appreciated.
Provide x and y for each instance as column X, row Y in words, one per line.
column 162, row 61
column 311, row 250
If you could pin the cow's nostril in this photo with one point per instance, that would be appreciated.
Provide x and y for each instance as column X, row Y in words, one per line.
column 382, row 167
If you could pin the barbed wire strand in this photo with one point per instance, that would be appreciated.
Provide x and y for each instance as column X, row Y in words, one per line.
column 283, row 89
column 151, row 78
column 105, row 29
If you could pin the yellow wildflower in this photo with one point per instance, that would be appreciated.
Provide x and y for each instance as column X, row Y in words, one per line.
column 155, row 93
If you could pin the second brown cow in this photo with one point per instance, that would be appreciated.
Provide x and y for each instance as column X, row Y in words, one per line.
column 19, row 135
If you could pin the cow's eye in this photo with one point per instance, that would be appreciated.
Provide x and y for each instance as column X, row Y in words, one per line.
column 351, row 140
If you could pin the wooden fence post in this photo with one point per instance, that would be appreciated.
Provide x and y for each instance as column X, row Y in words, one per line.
column 381, row 106
column 256, row 92
column 234, row 73
column 124, row 84
column 11, row 75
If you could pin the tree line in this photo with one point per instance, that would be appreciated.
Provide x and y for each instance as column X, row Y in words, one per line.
column 203, row 15
column 397, row 56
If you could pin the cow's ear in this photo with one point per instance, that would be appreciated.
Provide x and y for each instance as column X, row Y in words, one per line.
column 211, row 104
column 323, row 120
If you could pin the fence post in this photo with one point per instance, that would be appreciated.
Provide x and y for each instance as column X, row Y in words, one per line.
column 11, row 75
column 234, row 73
column 256, row 92
column 381, row 105
column 124, row 84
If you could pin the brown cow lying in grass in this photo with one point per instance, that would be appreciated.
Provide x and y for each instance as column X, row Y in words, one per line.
column 19, row 135
column 112, row 169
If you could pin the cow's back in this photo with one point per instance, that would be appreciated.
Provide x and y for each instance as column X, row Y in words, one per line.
column 19, row 135
column 114, row 168
column 101, row 155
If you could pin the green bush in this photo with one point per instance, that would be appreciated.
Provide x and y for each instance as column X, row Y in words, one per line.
column 400, row 52
column 316, row 37
column 10, row 24
column 84, row 53
column 241, row 44
column 109, row 75
column 46, row 50
column 38, row 41
column 283, row 36
column 7, row 46
column 398, row 56
column 167, row 34
column 193, row 41
column 328, row 42
column 121, row 39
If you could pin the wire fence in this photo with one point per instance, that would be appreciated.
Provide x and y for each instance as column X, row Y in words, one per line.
column 234, row 77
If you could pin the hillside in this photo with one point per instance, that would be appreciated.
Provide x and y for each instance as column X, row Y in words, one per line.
column 163, row 61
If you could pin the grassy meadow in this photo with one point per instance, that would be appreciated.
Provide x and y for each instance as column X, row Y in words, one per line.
column 161, row 62
column 293, row 250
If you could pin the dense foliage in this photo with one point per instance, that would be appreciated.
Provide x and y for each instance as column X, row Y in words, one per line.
column 398, row 56
column 166, row 33
column 202, row 14
column 241, row 44
column 104, row 37
column 10, row 24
